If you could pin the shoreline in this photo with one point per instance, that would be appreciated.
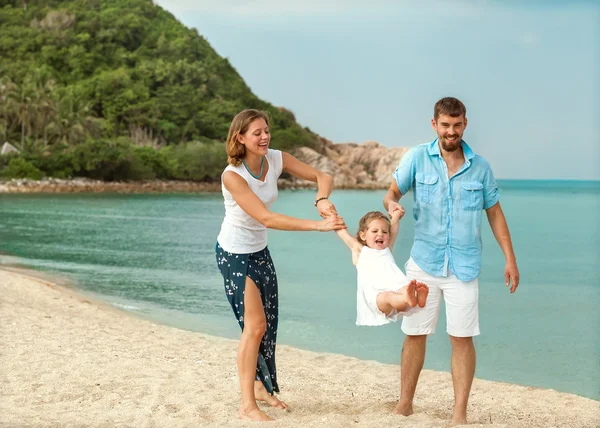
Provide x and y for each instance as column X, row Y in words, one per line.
column 127, row 371
column 83, row 185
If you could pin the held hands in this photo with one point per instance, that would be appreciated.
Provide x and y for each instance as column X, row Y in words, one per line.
column 511, row 274
column 398, row 214
column 331, row 223
column 394, row 208
column 326, row 208
column 331, row 220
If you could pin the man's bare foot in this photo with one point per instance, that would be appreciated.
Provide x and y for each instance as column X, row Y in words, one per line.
column 261, row 394
column 457, row 421
column 403, row 409
column 411, row 294
column 254, row 414
column 422, row 292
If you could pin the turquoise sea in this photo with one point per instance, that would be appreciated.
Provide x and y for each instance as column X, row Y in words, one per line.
column 153, row 255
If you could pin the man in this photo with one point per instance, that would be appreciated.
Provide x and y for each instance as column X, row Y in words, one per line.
column 452, row 186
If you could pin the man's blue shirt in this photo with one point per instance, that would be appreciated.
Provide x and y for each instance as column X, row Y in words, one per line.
column 447, row 211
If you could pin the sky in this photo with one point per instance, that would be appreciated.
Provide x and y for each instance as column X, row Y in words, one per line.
column 355, row 70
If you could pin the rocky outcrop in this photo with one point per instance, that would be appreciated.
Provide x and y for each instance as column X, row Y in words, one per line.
column 352, row 166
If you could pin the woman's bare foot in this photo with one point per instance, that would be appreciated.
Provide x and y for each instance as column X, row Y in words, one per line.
column 261, row 394
column 411, row 294
column 254, row 414
column 422, row 292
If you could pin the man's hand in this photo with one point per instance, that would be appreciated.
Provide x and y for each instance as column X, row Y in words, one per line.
column 326, row 208
column 395, row 206
column 511, row 275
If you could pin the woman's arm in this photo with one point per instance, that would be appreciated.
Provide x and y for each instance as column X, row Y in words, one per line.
column 324, row 181
column 251, row 204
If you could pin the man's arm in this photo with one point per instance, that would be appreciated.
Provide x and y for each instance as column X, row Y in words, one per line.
column 391, row 198
column 502, row 234
column 402, row 178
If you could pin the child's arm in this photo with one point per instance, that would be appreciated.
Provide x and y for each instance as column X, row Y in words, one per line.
column 351, row 242
column 396, row 216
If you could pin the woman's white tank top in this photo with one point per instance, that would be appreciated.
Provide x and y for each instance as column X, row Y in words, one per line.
column 240, row 233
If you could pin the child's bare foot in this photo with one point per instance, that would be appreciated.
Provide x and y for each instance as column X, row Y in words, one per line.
column 411, row 294
column 254, row 414
column 422, row 292
column 261, row 394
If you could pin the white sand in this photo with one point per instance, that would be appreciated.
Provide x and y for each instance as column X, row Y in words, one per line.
column 68, row 362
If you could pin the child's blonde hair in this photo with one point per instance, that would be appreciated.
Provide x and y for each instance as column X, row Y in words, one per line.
column 364, row 222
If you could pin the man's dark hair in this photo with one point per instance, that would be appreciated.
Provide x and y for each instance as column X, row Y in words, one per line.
column 449, row 106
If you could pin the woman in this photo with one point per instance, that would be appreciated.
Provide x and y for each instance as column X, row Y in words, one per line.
column 249, row 185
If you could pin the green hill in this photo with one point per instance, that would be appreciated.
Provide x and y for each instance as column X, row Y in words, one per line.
column 118, row 89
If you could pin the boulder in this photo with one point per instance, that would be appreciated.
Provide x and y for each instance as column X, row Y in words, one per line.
column 368, row 165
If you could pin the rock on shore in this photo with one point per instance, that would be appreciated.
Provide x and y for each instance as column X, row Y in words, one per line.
column 84, row 185
column 352, row 166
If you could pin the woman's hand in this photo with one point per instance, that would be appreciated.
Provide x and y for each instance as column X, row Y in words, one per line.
column 326, row 208
column 331, row 223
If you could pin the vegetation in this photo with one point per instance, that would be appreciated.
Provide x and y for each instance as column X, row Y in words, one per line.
column 118, row 90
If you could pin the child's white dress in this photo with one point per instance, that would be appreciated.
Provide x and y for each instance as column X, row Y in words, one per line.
column 377, row 271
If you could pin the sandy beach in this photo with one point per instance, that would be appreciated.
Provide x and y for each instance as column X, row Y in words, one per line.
column 70, row 362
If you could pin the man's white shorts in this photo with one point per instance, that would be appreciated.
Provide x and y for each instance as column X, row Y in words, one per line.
column 462, row 305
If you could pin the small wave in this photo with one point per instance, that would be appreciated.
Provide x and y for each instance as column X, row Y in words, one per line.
column 127, row 307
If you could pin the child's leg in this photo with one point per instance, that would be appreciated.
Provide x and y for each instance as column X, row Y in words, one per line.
column 400, row 300
column 422, row 292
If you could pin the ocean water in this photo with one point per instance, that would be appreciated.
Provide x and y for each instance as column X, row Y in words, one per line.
column 153, row 255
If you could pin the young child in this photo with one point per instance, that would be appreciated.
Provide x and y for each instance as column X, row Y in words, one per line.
column 384, row 293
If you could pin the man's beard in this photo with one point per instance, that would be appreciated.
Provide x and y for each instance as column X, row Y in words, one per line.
column 450, row 147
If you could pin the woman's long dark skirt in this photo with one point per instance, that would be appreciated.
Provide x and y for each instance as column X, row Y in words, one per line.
column 260, row 269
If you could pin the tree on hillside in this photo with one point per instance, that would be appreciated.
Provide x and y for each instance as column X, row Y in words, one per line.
column 75, row 70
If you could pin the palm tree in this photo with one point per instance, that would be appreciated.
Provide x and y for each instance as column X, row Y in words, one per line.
column 26, row 93
column 43, row 105
column 73, row 121
column 8, row 105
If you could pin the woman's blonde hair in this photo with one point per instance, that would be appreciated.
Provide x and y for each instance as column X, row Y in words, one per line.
column 239, row 125
column 364, row 222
